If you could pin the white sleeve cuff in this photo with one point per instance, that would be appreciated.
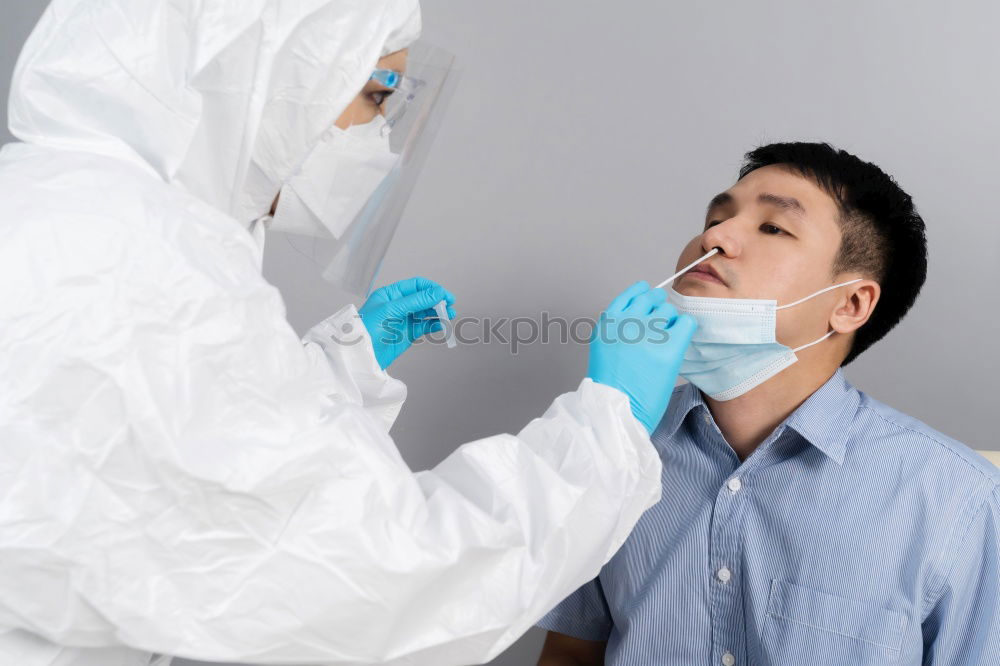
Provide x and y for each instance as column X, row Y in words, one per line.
column 341, row 344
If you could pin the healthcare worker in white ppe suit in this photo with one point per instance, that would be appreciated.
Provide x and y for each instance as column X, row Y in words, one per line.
column 180, row 474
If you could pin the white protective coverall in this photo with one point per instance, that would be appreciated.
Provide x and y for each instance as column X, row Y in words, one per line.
column 180, row 473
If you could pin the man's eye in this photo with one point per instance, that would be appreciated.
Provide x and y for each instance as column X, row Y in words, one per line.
column 712, row 223
column 771, row 229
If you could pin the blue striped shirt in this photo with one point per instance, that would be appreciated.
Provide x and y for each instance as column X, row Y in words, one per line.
column 853, row 535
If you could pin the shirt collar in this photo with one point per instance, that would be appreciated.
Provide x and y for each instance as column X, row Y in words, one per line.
column 685, row 398
column 824, row 419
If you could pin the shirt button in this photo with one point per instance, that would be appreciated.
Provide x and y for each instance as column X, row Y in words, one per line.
column 724, row 574
column 728, row 660
column 706, row 418
column 734, row 485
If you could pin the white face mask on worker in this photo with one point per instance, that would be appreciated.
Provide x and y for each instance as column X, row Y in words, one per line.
column 335, row 181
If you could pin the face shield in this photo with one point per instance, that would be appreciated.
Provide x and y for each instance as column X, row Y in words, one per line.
column 342, row 206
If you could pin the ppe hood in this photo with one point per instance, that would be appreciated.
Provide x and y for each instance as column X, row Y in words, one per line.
column 221, row 99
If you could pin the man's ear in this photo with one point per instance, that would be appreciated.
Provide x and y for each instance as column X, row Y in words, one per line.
column 856, row 307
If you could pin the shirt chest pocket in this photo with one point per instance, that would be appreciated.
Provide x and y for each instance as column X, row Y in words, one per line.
column 807, row 626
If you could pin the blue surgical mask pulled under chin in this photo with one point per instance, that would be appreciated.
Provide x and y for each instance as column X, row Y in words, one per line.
column 735, row 348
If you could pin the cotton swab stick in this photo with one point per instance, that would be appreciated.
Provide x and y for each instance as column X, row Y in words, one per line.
column 663, row 284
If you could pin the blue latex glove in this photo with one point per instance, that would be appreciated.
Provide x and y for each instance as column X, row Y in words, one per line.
column 400, row 313
column 638, row 348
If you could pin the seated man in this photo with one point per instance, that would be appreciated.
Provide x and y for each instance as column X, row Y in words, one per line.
column 802, row 521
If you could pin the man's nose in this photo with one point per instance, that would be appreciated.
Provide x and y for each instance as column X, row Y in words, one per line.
column 724, row 236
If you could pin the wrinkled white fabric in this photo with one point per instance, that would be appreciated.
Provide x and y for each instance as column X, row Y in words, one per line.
column 179, row 473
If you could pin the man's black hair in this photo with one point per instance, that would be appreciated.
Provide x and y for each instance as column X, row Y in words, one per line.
column 882, row 236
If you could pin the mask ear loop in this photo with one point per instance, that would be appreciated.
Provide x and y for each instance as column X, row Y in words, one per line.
column 821, row 291
column 803, row 300
column 815, row 342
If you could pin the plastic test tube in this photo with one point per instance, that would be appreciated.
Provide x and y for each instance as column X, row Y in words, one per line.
column 442, row 312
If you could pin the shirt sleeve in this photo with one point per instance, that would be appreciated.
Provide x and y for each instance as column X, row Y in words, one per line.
column 963, row 626
column 583, row 614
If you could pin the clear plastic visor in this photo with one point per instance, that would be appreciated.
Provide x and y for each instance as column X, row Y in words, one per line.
column 349, row 251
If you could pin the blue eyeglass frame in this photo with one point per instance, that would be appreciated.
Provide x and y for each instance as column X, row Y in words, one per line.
column 389, row 78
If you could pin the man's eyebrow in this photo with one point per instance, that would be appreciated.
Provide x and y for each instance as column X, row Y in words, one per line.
column 719, row 200
column 790, row 204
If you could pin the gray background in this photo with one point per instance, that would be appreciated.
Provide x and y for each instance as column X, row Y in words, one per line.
column 587, row 138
